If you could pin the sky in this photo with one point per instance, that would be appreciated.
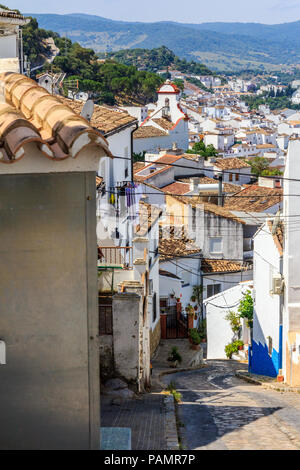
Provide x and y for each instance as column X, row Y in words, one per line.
column 187, row 11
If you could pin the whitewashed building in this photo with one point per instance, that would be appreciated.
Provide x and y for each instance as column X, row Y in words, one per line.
column 167, row 124
column 265, row 357
column 219, row 332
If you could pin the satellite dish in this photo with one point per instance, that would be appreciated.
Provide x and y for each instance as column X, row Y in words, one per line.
column 88, row 110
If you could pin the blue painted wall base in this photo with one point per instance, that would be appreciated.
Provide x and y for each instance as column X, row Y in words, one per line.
column 262, row 363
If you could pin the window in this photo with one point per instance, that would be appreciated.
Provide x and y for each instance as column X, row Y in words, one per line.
column 213, row 289
column 150, row 286
column 230, row 176
column 237, row 177
column 215, row 245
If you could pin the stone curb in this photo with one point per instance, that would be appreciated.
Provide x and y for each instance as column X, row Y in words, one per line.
column 269, row 386
column 170, row 425
column 175, row 371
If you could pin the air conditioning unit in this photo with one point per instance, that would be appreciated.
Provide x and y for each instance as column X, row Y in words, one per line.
column 277, row 285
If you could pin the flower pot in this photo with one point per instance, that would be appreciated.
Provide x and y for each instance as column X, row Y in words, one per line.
column 241, row 348
column 196, row 347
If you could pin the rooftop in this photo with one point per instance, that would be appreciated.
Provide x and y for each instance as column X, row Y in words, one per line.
column 146, row 132
column 230, row 163
column 105, row 119
column 278, row 236
column 30, row 115
column 218, row 211
column 174, row 243
column 148, row 215
column 220, row 266
column 254, row 198
column 163, row 122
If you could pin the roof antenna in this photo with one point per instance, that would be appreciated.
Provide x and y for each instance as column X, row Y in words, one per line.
column 88, row 110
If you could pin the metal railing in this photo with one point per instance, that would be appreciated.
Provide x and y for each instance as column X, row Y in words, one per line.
column 119, row 256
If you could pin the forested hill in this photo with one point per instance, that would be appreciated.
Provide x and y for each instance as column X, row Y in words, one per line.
column 220, row 46
column 157, row 59
column 107, row 82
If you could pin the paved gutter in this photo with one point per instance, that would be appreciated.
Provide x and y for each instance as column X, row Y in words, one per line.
column 256, row 380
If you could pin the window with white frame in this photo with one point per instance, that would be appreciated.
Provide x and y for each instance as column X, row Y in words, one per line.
column 215, row 244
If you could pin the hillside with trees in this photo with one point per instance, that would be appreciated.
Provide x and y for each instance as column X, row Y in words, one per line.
column 221, row 46
column 157, row 59
column 107, row 82
column 279, row 100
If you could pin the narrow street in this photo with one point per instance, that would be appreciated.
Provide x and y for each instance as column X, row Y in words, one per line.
column 221, row 412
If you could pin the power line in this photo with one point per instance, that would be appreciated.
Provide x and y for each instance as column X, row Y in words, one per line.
column 234, row 170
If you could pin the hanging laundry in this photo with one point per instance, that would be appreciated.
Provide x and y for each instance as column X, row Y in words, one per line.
column 112, row 199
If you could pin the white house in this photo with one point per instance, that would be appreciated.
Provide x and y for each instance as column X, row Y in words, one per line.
column 265, row 356
column 234, row 170
column 296, row 97
column 11, row 47
column 219, row 332
column 139, row 112
column 167, row 124
column 291, row 263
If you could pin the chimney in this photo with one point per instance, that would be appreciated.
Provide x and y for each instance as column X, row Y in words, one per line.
column 266, row 182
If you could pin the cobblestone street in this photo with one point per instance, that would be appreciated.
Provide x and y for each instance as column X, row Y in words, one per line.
column 220, row 411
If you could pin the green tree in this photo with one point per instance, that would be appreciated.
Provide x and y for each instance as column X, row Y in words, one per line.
column 258, row 165
column 245, row 308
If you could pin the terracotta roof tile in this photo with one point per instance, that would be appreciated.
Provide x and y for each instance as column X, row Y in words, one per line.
column 105, row 119
column 227, row 187
column 177, row 188
column 137, row 166
column 31, row 114
column 145, row 132
column 148, row 215
column 219, row 211
column 163, row 122
column 278, row 236
column 11, row 14
column 230, row 163
column 174, row 243
column 254, row 198
column 220, row 266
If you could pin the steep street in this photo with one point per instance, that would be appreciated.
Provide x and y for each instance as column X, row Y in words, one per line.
column 221, row 412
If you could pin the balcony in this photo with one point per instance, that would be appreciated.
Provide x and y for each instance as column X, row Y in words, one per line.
column 114, row 257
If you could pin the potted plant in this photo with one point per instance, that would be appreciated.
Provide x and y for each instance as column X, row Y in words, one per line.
column 195, row 338
column 174, row 357
column 190, row 310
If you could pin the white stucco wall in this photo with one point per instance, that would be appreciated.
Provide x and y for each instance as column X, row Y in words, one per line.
column 267, row 305
column 219, row 332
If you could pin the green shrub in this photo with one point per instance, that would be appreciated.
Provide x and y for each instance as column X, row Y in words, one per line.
column 175, row 356
column 194, row 335
column 233, row 348
column 172, row 389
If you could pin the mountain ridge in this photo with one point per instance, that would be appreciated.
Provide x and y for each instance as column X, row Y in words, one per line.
column 218, row 45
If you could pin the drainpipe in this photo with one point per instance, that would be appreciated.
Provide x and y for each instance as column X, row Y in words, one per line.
column 131, row 143
column 220, row 193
